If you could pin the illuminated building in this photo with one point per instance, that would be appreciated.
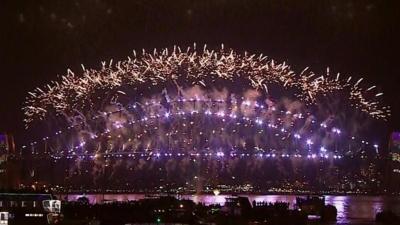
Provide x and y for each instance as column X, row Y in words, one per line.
column 7, row 148
column 29, row 208
column 393, row 178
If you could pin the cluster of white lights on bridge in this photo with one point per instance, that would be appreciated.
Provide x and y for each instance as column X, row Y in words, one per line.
column 221, row 155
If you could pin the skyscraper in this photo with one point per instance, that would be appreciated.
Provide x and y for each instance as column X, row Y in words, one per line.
column 7, row 148
column 393, row 177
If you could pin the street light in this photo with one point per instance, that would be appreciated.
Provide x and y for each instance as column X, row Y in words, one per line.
column 376, row 148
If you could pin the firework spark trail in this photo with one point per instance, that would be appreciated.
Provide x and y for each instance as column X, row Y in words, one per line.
column 201, row 68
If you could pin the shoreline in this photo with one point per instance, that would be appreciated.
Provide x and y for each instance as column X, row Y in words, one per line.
column 226, row 193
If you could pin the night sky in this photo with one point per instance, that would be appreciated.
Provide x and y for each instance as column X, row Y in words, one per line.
column 41, row 39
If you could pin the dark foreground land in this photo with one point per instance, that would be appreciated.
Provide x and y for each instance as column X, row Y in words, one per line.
column 169, row 210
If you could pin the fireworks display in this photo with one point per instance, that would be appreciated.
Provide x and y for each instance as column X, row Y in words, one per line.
column 194, row 68
column 196, row 105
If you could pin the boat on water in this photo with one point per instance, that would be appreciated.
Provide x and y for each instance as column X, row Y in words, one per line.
column 29, row 208
column 314, row 207
column 311, row 205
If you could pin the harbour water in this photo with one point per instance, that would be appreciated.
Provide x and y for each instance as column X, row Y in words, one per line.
column 351, row 209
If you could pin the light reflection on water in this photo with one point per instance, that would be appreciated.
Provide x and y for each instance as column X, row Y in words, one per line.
column 351, row 209
column 362, row 208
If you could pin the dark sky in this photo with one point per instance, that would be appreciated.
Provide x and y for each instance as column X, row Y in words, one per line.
column 40, row 39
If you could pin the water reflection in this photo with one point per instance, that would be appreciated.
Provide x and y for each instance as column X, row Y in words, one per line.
column 351, row 209
column 361, row 208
